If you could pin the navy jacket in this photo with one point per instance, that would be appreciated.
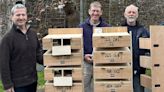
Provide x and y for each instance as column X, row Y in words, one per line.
column 137, row 32
column 87, row 34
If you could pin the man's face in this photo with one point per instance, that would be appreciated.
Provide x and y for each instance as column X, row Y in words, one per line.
column 131, row 15
column 95, row 13
column 19, row 17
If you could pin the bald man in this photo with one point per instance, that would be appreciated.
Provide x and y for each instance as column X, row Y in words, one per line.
column 137, row 30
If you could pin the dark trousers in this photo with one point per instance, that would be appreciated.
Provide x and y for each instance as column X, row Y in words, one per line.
column 28, row 88
column 136, row 84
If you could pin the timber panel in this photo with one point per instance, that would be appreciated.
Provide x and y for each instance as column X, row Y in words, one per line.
column 117, row 55
column 113, row 86
column 66, row 60
column 105, row 40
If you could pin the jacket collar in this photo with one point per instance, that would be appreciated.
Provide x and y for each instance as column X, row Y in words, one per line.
column 88, row 21
column 125, row 24
column 15, row 28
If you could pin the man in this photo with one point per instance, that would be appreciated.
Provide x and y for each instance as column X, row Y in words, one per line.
column 94, row 20
column 137, row 30
column 19, row 52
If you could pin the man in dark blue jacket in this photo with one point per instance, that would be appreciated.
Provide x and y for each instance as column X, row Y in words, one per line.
column 137, row 30
column 94, row 20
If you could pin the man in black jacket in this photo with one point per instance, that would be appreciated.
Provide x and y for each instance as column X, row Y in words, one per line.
column 19, row 52
column 137, row 30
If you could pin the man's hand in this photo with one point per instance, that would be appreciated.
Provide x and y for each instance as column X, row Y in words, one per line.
column 88, row 58
column 10, row 90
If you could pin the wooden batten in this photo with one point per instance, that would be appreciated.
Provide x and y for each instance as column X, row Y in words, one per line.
column 145, row 43
column 145, row 62
column 109, row 29
column 47, row 43
column 146, row 81
column 65, row 31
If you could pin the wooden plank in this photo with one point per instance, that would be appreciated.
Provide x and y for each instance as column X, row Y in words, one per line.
column 145, row 62
column 62, row 36
column 76, row 72
column 77, row 87
column 145, row 43
column 116, row 55
column 146, row 81
column 157, row 78
column 105, row 40
column 113, row 72
column 66, row 60
column 76, row 41
column 113, row 86
column 157, row 44
column 65, row 31
column 109, row 29
column 47, row 43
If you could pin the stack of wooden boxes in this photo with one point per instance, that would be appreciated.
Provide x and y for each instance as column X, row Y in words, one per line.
column 155, row 60
column 63, row 60
column 112, row 60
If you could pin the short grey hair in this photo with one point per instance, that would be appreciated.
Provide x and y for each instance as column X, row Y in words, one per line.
column 96, row 4
column 17, row 6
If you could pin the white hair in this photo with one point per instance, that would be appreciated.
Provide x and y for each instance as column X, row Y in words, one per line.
column 135, row 8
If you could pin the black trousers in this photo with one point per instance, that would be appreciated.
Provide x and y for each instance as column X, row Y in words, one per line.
column 28, row 88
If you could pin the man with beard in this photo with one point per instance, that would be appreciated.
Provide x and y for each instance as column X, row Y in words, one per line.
column 137, row 31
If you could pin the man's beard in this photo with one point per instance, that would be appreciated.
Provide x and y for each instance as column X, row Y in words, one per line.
column 131, row 18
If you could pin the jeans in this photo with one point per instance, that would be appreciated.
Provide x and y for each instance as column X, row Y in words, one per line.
column 136, row 84
column 88, row 77
column 28, row 88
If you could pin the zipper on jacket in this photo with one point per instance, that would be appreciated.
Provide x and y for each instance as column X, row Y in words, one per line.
column 26, row 36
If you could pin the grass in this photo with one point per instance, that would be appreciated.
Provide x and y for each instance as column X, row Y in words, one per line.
column 41, row 81
column 1, row 87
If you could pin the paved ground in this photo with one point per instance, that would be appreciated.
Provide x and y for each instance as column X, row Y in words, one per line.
column 40, row 90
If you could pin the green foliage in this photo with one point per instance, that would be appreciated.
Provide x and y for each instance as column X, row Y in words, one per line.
column 148, row 72
column 1, row 87
column 41, row 80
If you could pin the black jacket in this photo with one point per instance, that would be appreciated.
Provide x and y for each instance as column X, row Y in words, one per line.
column 137, row 32
column 19, row 53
